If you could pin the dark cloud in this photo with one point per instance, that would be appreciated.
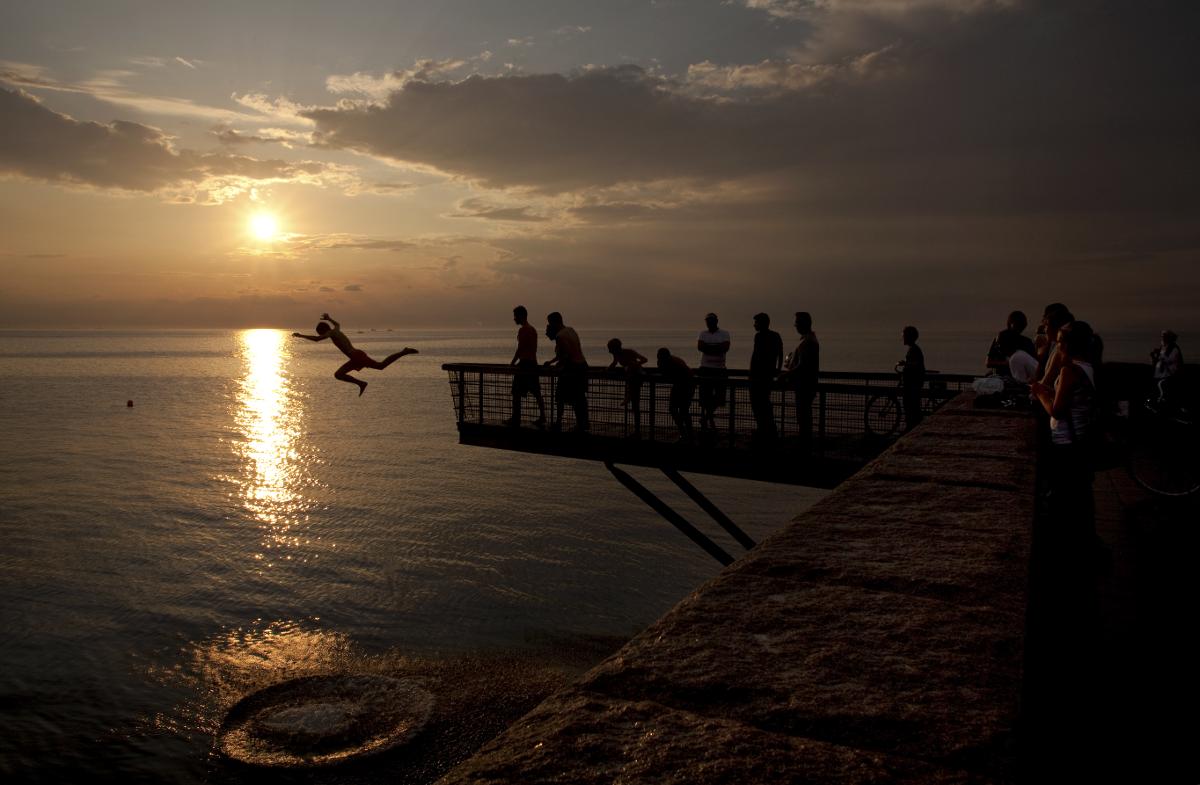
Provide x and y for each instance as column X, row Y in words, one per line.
column 327, row 289
column 352, row 287
column 42, row 144
column 1025, row 107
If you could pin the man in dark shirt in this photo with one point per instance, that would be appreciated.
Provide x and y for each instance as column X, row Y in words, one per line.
column 803, row 367
column 1009, row 340
column 912, row 373
column 765, row 364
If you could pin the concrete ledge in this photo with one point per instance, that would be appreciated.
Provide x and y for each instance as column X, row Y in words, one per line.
column 877, row 638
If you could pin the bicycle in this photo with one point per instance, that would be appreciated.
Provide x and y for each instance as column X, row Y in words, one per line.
column 1163, row 455
column 884, row 412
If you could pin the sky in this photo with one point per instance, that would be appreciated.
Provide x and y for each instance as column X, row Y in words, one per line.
column 433, row 163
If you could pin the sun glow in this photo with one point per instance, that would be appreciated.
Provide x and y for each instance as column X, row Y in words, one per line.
column 264, row 227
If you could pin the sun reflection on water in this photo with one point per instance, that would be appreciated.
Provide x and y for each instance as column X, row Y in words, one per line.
column 269, row 416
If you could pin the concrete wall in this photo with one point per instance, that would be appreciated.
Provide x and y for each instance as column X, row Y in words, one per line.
column 877, row 638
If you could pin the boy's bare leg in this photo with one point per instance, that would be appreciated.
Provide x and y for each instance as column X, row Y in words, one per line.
column 391, row 358
column 343, row 375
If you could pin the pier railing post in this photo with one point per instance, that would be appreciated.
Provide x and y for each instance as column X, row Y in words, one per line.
column 462, row 395
column 481, row 397
column 653, row 407
column 821, row 421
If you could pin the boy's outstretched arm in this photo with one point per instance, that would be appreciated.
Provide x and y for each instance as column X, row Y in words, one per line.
column 332, row 321
column 311, row 337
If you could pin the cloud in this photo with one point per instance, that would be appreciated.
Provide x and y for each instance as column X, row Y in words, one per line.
column 481, row 208
column 352, row 287
column 948, row 120
column 523, row 42
column 42, row 144
column 283, row 136
column 377, row 88
column 110, row 86
column 570, row 31
column 280, row 108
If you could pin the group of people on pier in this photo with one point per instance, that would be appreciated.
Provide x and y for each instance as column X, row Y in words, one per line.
column 770, row 369
column 1059, row 370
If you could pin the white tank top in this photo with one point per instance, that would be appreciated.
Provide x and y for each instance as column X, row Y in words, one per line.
column 1075, row 426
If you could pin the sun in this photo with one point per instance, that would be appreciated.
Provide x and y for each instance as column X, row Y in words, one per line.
column 264, row 227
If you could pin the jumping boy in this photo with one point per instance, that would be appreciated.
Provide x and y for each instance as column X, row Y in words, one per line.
column 358, row 358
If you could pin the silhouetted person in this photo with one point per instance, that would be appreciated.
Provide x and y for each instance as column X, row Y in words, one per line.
column 1168, row 361
column 683, row 386
column 526, row 380
column 358, row 358
column 1008, row 341
column 912, row 377
column 632, row 362
column 713, row 345
column 1053, row 359
column 800, row 373
column 572, row 371
column 1054, row 316
column 765, row 364
column 1071, row 403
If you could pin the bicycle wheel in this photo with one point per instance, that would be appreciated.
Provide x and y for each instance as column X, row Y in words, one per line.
column 1164, row 459
column 882, row 415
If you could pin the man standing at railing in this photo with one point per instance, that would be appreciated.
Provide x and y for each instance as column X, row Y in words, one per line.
column 800, row 373
column 525, row 380
column 912, row 377
column 572, row 373
column 765, row 364
column 713, row 345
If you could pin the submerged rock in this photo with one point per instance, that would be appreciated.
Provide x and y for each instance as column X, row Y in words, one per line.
column 324, row 720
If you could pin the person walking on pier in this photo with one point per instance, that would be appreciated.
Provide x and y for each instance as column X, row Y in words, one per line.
column 572, row 372
column 800, row 373
column 683, row 386
column 632, row 361
column 912, row 377
column 765, row 364
column 526, row 380
column 713, row 345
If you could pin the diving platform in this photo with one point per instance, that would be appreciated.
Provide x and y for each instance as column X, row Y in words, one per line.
column 855, row 416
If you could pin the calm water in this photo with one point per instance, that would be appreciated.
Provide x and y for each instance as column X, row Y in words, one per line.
column 250, row 518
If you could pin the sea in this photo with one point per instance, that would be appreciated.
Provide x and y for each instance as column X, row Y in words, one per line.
column 249, row 518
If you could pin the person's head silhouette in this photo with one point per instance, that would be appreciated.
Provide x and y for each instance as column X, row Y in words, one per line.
column 761, row 322
column 323, row 328
column 710, row 321
column 520, row 315
column 803, row 322
column 910, row 335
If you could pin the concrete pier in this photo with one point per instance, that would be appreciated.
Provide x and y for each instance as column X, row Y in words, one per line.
column 879, row 637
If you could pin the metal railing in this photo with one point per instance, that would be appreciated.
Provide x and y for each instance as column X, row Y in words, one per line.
column 482, row 395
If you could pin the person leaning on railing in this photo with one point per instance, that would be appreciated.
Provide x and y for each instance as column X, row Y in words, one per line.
column 632, row 361
column 683, row 386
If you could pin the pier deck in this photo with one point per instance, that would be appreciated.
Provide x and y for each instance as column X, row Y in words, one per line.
column 855, row 416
